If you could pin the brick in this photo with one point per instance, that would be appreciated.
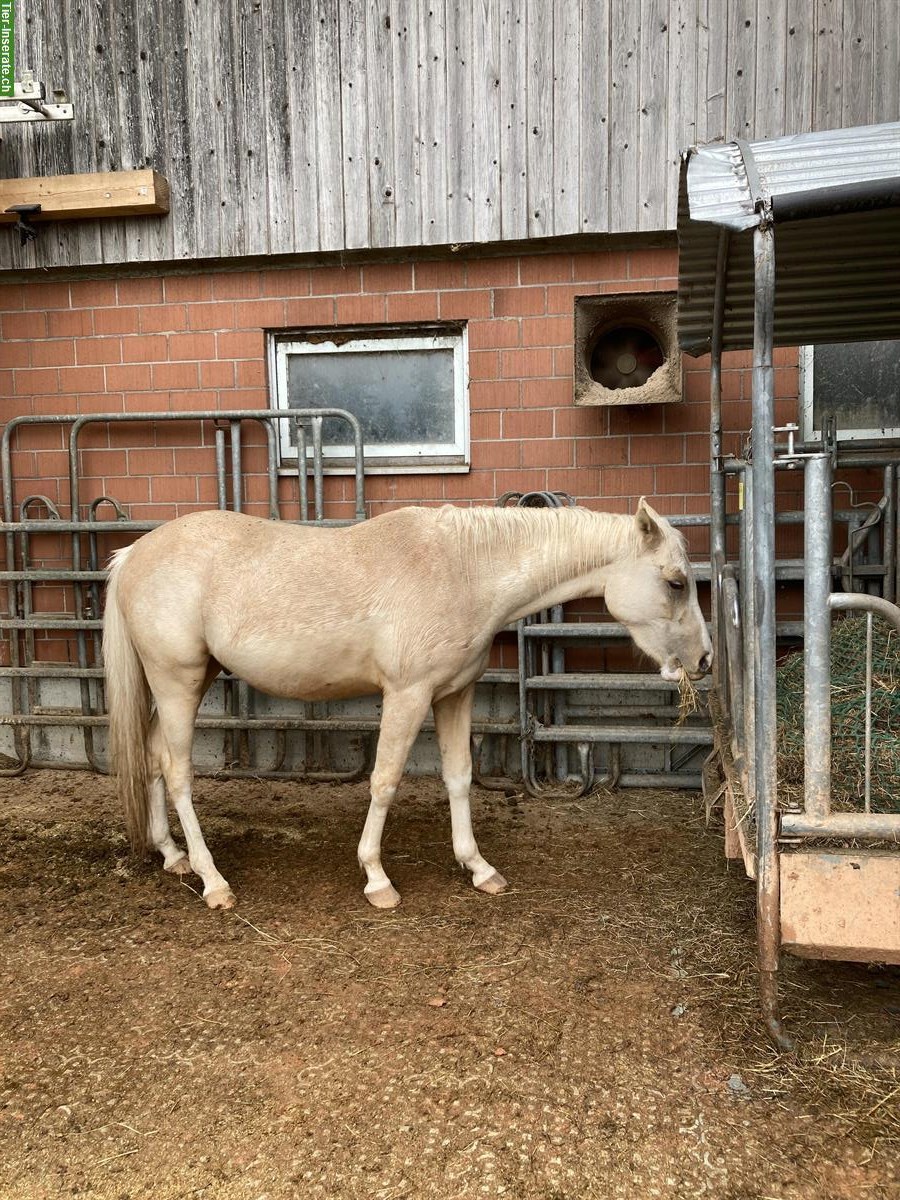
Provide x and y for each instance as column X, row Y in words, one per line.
column 484, row 364
column 316, row 310
column 31, row 382
column 415, row 306
column 361, row 310
column 175, row 375
column 626, row 419
column 465, row 305
column 213, row 316
column 547, row 452
column 167, row 489
column 439, row 275
column 145, row 349
column 601, row 452
column 520, row 302
column 251, row 373
column 102, row 402
column 682, row 480
column 286, row 282
column 653, row 264
column 116, row 320
column 259, row 314
column 687, row 418
column 140, row 290
column 490, row 335
column 492, row 272
column 485, row 394
column 98, row 350
column 243, row 398
column 93, row 293
column 655, row 450
column 193, row 401
column 496, row 455
column 331, row 281
column 144, row 461
column 235, row 285
column 474, row 485
column 630, row 482
column 53, row 405
column 187, row 288
column 523, row 364
column 601, row 266
column 19, row 354
column 191, row 347
column 100, row 464
column 78, row 323
column 561, row 300
column 548, row 331
column 528, row 423
column 195, row 460
column 572, row 481
column 245, row 344
column 564, row 360
column 581, row 422
column 217, row 374
column 132, row 377
column 25, row 325
column 164, row 318
column 484, row 426
column 43, row 296
column 506, row 480
column 545, row 268
column 387, row 277
column 130, row 489
column 52, row 464
column 12, row 297
column 547, row 393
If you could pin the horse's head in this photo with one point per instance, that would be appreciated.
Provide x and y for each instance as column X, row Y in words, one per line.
column 654, row 595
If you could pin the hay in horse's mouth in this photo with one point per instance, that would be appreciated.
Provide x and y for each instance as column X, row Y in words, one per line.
column 688, row 697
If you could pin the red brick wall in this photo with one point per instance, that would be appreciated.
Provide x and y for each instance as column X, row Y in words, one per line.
column 197, row 341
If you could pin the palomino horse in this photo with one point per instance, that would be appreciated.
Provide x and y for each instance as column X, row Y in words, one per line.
column 406, row 604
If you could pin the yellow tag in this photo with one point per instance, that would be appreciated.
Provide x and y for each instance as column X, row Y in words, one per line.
column 740, row 495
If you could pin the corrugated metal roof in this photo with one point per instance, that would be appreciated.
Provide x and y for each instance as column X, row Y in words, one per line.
column 837, row 274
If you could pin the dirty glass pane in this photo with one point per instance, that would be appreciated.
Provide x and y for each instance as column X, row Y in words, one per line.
column 400, row 396
column 858, row 382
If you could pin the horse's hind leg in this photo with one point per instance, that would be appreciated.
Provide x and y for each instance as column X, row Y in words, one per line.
column 453, row 723
column 401, row 719
column 174, row 858
column 177, row 712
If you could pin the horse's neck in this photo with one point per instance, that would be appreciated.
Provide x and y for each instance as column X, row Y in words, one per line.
column 561, row 558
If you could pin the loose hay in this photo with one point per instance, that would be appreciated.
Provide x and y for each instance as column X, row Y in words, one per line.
column 689, row 700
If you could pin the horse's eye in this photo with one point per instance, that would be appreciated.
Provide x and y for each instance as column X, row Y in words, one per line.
column 677, row 585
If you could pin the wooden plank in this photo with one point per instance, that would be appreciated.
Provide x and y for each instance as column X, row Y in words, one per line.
column 354, row 124
column 593, row 74
column 684, row 52
column 828, row 73
column 487, row 118
column 714, row 50
column 104, row 194
column 459, row 134
column 279, row 127
column 653, row 117
column 858, row 63
column 740, row 99
column 539, row 119
column 799, row 67
column 250, row 120
column 885, row 56
column 625, row 74
column 513, row 136
column 407, row 137
column 433, row 114
column 301, row 57
column 566, row 107
column 380, row 107
column 327, row 114
column 152, row 240
column 771, row 69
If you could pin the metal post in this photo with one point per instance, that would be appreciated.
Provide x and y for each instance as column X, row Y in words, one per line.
column 763, row 584
column 817, row 636
column 717, row 475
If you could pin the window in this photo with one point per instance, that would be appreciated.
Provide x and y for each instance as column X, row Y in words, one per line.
column 857, row 383
column 407, row 387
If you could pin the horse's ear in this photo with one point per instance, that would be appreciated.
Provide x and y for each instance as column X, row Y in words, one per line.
column 647, row 522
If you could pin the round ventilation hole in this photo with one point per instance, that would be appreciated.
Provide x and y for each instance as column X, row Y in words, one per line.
column 625, row 356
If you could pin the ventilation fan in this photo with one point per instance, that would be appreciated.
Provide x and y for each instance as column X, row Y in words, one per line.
column 625, row 356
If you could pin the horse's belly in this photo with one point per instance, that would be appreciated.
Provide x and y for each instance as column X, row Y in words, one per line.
column 302, row 672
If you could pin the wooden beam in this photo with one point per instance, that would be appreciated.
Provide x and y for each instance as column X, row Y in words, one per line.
column 105, row 194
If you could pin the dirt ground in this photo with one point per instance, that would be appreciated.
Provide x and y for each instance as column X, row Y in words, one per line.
column 592, row 1033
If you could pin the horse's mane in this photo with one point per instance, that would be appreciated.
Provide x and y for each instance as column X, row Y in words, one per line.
column 574, row 540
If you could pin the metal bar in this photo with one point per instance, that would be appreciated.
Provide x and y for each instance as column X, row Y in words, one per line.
column 318, row 490
column 221, row 469
column 817, row 637
column 868, row 755
column 677, row 735
column 234, row 434
column 717, row 550
column 856, row 825
column 860, row 602
column 889, row 535
column 763, row 642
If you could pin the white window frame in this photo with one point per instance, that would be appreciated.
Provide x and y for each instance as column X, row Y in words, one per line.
column 392, row 458
column 807, row 418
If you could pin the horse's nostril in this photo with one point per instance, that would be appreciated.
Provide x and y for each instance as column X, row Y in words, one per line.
column 705, row 663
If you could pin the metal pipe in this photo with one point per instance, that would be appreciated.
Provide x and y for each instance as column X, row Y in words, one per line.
column 234, row 433
column 889, row 535
column 860, row 602
column 861, row 826
column 717, row 549
column 221, row 470
column 817, row 636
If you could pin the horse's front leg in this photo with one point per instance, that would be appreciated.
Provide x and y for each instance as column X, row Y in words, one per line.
column 453, row 722
column 401, row 719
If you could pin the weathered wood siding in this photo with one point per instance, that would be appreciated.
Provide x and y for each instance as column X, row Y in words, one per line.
column 303, row 126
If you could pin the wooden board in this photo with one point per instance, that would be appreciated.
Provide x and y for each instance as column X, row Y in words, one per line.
column 104, row 194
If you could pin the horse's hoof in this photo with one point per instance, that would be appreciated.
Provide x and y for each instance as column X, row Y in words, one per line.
column 180, row 866
column 493, row 885
column 386, row 897
column 220, row 898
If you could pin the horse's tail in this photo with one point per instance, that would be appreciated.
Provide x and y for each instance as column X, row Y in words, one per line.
column 128, row 703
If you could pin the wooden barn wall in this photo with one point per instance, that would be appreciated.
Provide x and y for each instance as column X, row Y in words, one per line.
column 308, row 126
